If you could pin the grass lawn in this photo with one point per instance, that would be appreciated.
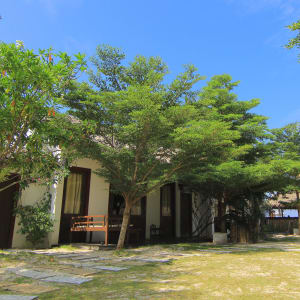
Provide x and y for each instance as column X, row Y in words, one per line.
column 249, row 272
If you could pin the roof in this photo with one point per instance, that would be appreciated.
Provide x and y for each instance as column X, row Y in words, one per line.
column 288, row 200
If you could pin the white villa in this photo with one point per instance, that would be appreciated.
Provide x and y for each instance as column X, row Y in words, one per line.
column 84, row 193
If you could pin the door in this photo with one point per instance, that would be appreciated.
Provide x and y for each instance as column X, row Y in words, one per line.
column 137, row 217
column 186, row 214
column 167, row 211
column 75, row 203
column 7, row 219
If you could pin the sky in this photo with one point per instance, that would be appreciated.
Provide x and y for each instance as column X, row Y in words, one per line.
column 243, row 38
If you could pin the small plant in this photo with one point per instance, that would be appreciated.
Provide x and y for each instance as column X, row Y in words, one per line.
column 36, row 220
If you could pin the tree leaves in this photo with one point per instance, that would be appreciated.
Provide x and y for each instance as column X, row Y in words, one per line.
column 31, row 87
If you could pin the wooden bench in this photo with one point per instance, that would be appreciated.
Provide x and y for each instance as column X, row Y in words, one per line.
column 155, row 234
column 100, row 223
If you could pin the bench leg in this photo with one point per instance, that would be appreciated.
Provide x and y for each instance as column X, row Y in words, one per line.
column 127, row 237
column 106, row 237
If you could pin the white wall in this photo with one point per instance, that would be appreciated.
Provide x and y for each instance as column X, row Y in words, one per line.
column 177, row 211
column 28, row 196
column 99, row 195
column 152, row 211
column 202, row 208
column 98, row 203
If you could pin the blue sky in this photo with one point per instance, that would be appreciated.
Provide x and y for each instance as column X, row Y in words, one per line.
column 243, row 38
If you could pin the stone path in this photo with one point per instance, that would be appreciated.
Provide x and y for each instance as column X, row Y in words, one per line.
column 17, row 297
column 73, row 268
column 78, row 267
column 31, row 288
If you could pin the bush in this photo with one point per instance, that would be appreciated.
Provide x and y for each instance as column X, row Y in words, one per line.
column 36, row 220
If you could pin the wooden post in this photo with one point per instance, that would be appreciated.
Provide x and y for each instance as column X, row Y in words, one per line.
column 106, row 229
column 70, row 235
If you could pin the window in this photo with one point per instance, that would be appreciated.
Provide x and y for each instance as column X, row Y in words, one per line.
column 117, row 205
column 74, row 194
column 166, row 201
column 136, row 209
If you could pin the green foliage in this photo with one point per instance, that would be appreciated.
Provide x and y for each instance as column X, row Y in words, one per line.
column 144, row 130
column 285, row 147
column 36, row 221
column 141, row 130
column 259, row 161
column 32, row 87
column 294, row 42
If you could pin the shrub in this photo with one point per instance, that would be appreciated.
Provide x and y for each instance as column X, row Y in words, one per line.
column 36, row 220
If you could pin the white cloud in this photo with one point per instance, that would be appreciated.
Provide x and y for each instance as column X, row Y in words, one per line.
column 286, row 8
column 293, row 116
column 52, row 7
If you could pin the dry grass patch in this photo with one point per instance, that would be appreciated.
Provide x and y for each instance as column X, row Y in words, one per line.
column 252, row 274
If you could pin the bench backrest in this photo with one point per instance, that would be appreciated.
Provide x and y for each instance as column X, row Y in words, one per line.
column 89, row 221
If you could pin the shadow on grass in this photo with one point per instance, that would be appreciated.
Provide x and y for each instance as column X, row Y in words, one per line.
column 279, row 239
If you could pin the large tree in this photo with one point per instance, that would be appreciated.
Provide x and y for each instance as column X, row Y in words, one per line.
column 31, row 127
column 142, row 130
column 257, row 166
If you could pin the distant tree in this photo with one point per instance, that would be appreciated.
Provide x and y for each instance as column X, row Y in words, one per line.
column 286, row 143
column 31, row 127
column 143, row 131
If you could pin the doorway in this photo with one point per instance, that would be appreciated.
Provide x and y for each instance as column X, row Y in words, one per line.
column 167, row 211
column 75, row 203
column 137, row 217
column 185, row 215
column 7, row 218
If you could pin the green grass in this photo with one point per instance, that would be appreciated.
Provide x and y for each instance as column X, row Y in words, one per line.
column 66, row 247
column 261, row 274
column 284, row 239
column 219, row 276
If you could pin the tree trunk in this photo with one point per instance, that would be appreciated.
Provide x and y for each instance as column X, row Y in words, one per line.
column 298, row 200
column 222, row 215
column 125, row 221
column 299, row 218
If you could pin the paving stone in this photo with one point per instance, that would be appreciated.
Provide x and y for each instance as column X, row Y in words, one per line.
column 67, row 279
column 84, row 257
column 191, row 255
column 73, row 264
column 67, row 255
column 94, row 259
column 4, row 284
column 292, row 250
column 54, row 253
column 240, row 249
column 109, row 268
column 154, row 260
column 17, row 297
column 6, row 277
column 28, row 288
column 40, row 252
column 214, row 251
column 30, row 273
column 79, row 271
